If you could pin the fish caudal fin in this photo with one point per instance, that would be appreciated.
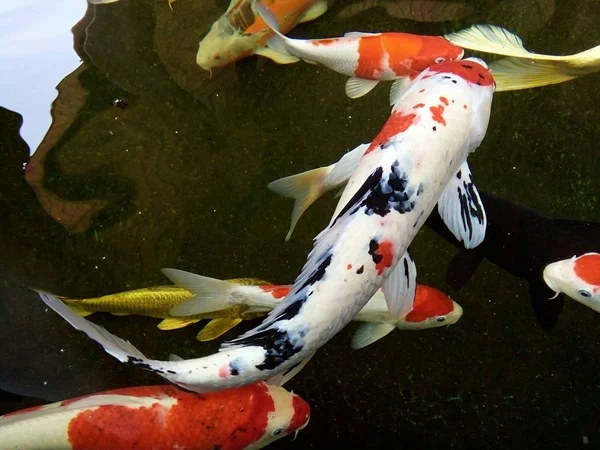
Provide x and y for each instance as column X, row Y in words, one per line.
column 277, row 41
column 174, row 323
column 210, row 294
column 113, row 345
column 369, row 332
column 512, row 74
column 216, row 328
column 275, row 56
column 304, row 188
column 357, row 87
column 490, row 39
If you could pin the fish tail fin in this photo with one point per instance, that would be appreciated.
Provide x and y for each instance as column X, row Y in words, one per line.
column 277, row 41
column 211, row 294
column 113, row 345
column 304, row 188
column 77, row 309
column 511, row 74
column 490, row 39
column 217, row 327
column 586, row 58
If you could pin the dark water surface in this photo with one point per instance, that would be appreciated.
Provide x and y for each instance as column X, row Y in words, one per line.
column 177, row 177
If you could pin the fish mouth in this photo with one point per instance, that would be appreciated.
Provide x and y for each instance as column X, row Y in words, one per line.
column 549, row 279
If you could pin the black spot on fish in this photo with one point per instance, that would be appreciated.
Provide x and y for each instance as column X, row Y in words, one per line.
column 140, row 363
column 390, row 194
column 277, row 345
column 360, row 270
column 367, row 186
column 446, row 77
column 406, row 273
column 233, row 369
column 470, row 207
column 318, row 273
column 480, row 76
column 373, row 246
column 459, row 174
column 467, row 66
column 171, row 371
column 454, row 81
column 434, row 129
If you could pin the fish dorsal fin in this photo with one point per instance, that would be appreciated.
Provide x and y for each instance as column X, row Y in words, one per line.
column 216, row 328
column 512, row 74
column 400, row 286
column 283, row 378
column 398, row 88
column 489, row 39
column 359, row 34
column 368, row 332
column 461, row 209
column 357, row 87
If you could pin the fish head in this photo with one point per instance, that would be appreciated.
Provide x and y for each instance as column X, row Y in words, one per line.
column 431, row 309
column 224, row 45
column 577, row 277
column 436, row 50
column 290, row 415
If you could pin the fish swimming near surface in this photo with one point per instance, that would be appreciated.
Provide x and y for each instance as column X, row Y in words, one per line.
column 367, row 58
column 416, row 160
column 240, row 32
column 523, row 69
column 578, row 277
column 159, row 417
column 522, row 242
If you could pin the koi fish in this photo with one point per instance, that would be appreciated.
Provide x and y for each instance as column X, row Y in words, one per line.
column 431, row 308
column 523, row 69
column 366, row 58
column 159, row 417
column 239, row 32
column 416, row 160
column 516, row 240
column 577, row 277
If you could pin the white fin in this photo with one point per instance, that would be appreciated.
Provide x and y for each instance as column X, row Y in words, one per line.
column 368, row 332
column 359, row 34
column 512, row 74
column 113, row 345
column 489, row 39
column 398, row 88
column 400, row 286
column 304, row 188
column 275, row 56
column 277, row 41
column 345, row 167
column 314, row 11
column 211, row 294
column 174, row 323
column 174, row 357
column 461, row 209
column 283, row 378
column 357, row 87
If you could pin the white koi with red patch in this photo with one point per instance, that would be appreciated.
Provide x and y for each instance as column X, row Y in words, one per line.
column 397, row 183
column 577, row 277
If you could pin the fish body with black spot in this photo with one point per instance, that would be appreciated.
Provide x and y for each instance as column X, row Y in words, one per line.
column 577, row 277
column 435, row 124
column 158, row 417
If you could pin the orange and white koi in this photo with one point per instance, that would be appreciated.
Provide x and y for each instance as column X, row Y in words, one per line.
column 417, row 160
column 524, row 69
column 159, row 417
column 240, row 32
column 577, row 277
column 366, row 57
column 431, row 308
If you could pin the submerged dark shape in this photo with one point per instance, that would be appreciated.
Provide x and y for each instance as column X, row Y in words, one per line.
column 522, row 242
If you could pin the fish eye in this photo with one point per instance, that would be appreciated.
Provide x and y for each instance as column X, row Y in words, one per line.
column 439, row 59
column 441, row 319
column 277, row 432
column 584, row 293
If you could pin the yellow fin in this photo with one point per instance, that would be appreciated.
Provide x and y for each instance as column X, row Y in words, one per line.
column 512, row 74
column 72, row 304
column 274, row 55
column 315, row 11
column 304, row 188
column 120, row 314
column 216, row 328
column 174, row 323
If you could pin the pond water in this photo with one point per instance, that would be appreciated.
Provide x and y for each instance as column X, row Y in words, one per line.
column 151, row 162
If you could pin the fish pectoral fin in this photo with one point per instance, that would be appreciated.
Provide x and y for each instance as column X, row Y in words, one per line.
column 398, row 88
column 490, row 39
column 174, row 323
column 315, row 11
column 369, row 332
column 276, row 56
column 513, row 74
column 282, row 378
column 216, row 328
column 211, row 294
column 357, row 87
column 359, row 34
column 461, row 209
column 400, row 286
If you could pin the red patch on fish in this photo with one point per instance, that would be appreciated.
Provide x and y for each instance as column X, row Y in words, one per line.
column 383, row 256
column 418, row 105
column 370, row 58
column 467, row 70
column 224, row 371
column 228, row 419
column 301, row 413
column 429, row 302
column 436, row 114
column 277, row 291
column 587, row 267
column 349, row 266
column 321, row 42
column 396, row 124
column 444, row 100
column 465, row 106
